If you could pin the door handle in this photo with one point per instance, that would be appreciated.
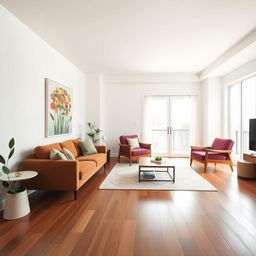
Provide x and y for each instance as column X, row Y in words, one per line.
column 167, row 129
column 170, row 130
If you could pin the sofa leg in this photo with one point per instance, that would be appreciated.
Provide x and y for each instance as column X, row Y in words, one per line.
column 75, row 194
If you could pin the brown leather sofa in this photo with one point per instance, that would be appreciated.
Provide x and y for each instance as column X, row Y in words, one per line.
column 67, row 175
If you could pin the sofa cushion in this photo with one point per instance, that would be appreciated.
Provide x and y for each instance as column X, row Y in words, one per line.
column 70, row 146
column 87, row 147
column 140, row 151
column 86, row 169
column 99, row 158
column 57, row 155
column 200, row 155
column 68, row 154
column 76, row 143
column 43, row 152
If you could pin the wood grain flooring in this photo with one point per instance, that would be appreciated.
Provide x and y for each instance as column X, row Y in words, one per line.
column 105, row 222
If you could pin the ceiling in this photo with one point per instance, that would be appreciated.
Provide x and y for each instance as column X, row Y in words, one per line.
column 129, row 36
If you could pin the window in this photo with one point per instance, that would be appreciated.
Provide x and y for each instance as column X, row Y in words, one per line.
column 242, row 107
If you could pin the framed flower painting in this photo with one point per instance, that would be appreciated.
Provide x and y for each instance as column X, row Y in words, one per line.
column 58, row 109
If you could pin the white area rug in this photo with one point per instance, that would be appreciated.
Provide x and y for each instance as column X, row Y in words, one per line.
column 124, row 176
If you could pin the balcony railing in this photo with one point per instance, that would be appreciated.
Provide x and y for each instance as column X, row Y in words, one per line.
column 181, row 140
column 245, row 141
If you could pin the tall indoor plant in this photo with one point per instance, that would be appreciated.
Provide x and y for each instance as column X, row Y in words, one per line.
column 93, row 132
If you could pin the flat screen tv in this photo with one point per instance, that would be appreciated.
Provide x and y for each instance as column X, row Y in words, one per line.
column 252, row 134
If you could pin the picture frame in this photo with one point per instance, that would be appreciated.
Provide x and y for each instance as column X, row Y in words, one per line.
column 58, row 109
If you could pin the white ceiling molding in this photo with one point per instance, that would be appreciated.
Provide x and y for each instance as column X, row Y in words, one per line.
column 151, row 78
column 239, row 54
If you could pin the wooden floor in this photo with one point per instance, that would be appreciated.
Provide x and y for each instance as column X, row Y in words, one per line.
column 104, row 222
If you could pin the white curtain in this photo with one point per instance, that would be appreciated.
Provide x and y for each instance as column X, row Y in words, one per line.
column 146, row 120
column 194, row 129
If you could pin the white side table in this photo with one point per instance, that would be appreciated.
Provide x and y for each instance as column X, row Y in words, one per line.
column 17, row 205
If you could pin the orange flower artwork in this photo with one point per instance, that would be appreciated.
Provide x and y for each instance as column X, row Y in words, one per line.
column 59, row 109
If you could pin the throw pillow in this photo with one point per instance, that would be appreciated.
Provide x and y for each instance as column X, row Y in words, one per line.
column 87, row 147
column 57, row 155
column 134, row 143
column 68, row 154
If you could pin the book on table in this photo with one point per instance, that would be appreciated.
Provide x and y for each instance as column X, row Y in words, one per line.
column 148, row 175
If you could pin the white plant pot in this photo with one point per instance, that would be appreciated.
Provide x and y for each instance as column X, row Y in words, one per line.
column 16, row 205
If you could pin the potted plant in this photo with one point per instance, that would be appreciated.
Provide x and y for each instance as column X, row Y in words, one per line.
column 16, row 200
column 12, row 189
column 93, row 133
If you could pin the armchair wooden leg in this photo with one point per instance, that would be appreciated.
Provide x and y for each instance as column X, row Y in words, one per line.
column 75, row 194
column 191, row 160
column 231, row 166
column 205, row 166
column 130, row 161
column 119, row 158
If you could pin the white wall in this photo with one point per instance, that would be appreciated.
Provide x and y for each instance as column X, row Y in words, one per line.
column 94, row 98
column 123, row 102
column 212, row 110
column 25, row 62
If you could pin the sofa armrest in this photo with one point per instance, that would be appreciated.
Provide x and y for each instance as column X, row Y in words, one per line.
column 101, row 149
column 53, row 174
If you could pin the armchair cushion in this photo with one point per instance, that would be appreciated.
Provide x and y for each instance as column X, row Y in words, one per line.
column 200, row 155
column 225, row 144
column 140, row 151
column 134, row 143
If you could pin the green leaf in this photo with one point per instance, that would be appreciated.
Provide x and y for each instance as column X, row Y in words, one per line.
column 15, row 190
column 11, row 153
column 52, row 117
column 2, row 159
column 5, row 169
column 11, row 143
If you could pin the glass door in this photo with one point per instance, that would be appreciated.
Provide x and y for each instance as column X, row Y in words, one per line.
column 242, row 107
column 160, row 125
column 180, row 116
column 248, row 109
column 235, row 117
column 170, row 125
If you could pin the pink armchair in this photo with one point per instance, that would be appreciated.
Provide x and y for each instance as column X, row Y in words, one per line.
column 133, row 153
column 219, row 152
